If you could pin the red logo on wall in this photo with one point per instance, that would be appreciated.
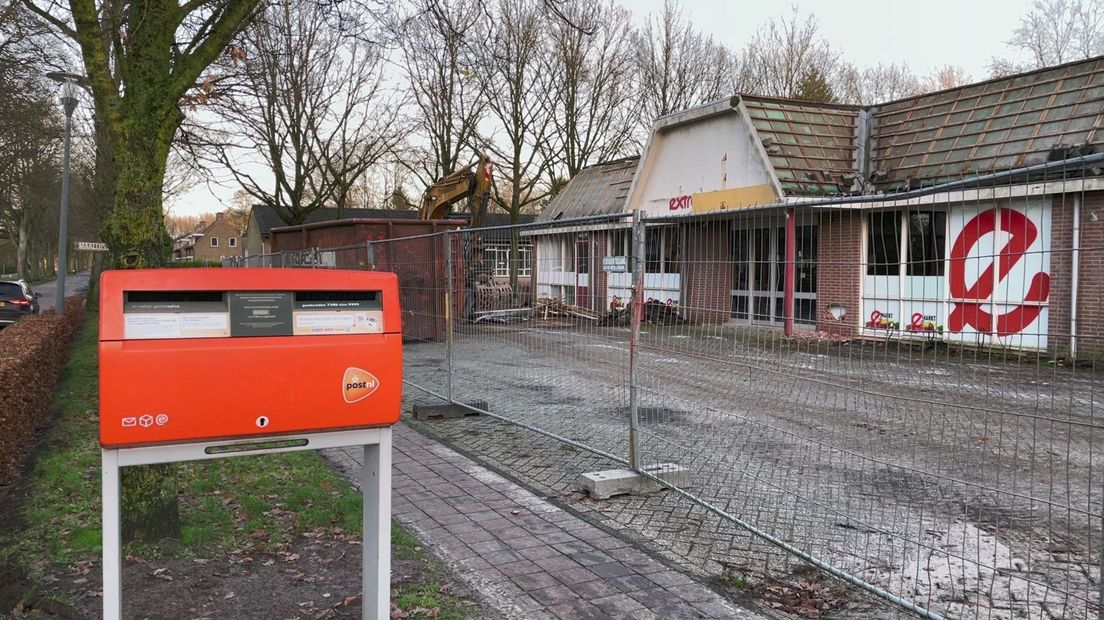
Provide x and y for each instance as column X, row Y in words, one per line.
column 679, row 203
column 972, row 313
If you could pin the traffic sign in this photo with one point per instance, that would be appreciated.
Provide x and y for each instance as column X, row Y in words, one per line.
column 92, row 246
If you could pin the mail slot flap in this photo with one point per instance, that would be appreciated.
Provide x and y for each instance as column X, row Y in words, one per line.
column 225, row 302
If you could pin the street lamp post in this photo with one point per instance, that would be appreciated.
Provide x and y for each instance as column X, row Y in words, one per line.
column 69, row 103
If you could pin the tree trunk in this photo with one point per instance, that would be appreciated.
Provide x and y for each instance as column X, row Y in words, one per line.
column 135, row 233
column 135, row 230
column 21, row 248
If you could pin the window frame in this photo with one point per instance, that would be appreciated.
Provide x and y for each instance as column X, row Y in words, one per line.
column 884, row 267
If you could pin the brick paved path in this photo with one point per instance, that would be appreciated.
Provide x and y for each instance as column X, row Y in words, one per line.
column 525, row 557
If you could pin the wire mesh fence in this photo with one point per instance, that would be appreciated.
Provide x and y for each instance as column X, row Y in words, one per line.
column 900, row 391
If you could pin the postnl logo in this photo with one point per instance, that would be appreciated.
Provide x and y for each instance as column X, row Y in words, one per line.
column 358, row 384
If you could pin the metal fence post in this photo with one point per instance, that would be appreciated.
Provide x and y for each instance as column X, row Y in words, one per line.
column 448, row 314
column 634, row 339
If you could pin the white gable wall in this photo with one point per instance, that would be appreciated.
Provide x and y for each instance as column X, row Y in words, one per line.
column 713, row 153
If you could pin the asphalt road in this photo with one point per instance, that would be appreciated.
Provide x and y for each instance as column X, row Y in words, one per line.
column 75, row 283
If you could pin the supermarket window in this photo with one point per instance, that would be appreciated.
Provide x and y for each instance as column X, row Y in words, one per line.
column 927, row 235
column 883, row 244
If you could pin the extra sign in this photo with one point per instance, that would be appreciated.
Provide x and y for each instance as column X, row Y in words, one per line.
column 997, row 273
column 92, row 246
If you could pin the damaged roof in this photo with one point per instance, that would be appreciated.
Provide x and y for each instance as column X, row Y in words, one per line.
column 1000, row 124
column 817, row 149
column 600, row 189
column 812, row 147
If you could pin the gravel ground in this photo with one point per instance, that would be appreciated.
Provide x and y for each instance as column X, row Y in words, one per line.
column 962, row 480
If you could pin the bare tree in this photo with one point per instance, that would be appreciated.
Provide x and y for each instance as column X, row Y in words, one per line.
column 880, row 83
column 677, row 66
column 947, row 76
column 591, row 69
column 304, row 98
column 30, row 140
column 784, row 52
column 439, row 40
column 518, row 103
column 1057, row 31
column 386, row 186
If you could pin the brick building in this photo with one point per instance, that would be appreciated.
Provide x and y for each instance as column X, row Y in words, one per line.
column 210, row 242
column 970, row 215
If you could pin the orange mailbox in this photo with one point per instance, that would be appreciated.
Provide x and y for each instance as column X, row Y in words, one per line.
column 202, row 354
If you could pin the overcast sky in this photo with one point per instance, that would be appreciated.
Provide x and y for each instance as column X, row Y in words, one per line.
column 926, row 34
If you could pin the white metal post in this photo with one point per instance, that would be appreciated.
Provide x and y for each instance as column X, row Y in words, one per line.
column 376, row 561
column 112, row 536
column 638, row 266
column 375, row 487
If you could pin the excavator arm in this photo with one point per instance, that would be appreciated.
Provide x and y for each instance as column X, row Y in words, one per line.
column 472, row 182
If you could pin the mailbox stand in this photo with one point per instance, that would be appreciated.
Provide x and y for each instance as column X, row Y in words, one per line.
column 375, row 487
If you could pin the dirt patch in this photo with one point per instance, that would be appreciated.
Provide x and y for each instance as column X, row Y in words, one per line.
column 313, row 578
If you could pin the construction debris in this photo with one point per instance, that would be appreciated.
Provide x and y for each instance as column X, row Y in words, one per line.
column 655, row 312
column 546, row 308
column 493, row 296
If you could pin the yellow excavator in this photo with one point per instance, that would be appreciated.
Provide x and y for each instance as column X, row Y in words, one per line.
column 473, row 182
column 482, row 296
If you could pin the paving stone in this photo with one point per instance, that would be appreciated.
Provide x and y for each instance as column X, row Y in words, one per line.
column 617, row 603
column 578, row 610
column 632, row 583
column 534, row 581
column 611, row 569
column 531, row 565
column 520, row 567
column 553, row 595
column 655, row 598
column 669, row 578
column 573, row 576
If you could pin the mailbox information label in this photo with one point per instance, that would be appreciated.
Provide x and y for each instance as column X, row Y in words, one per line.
column 358, row 322
column 260, row 314
column 218, row 314
column 193, row 325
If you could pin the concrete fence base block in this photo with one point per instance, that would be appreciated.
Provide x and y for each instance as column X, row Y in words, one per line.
column 607, row 483
column 446, row 411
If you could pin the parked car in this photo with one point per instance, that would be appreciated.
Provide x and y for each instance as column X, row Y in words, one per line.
column 17, row 300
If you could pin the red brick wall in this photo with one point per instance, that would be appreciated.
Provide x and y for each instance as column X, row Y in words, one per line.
column 1090, row 309
column 707, row 272
column 839, row 270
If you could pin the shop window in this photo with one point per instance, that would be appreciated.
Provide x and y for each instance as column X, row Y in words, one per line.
column 653, row 251
column 806, row 259
column 661, row 250
column 621, row 243
column 927, row 232
column 883, row 244
column 805, row 311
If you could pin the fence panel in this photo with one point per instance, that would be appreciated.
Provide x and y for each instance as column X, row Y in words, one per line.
column 899, row 391
column 942, row 448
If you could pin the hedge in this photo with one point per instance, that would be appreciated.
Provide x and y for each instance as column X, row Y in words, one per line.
column 33, row 352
